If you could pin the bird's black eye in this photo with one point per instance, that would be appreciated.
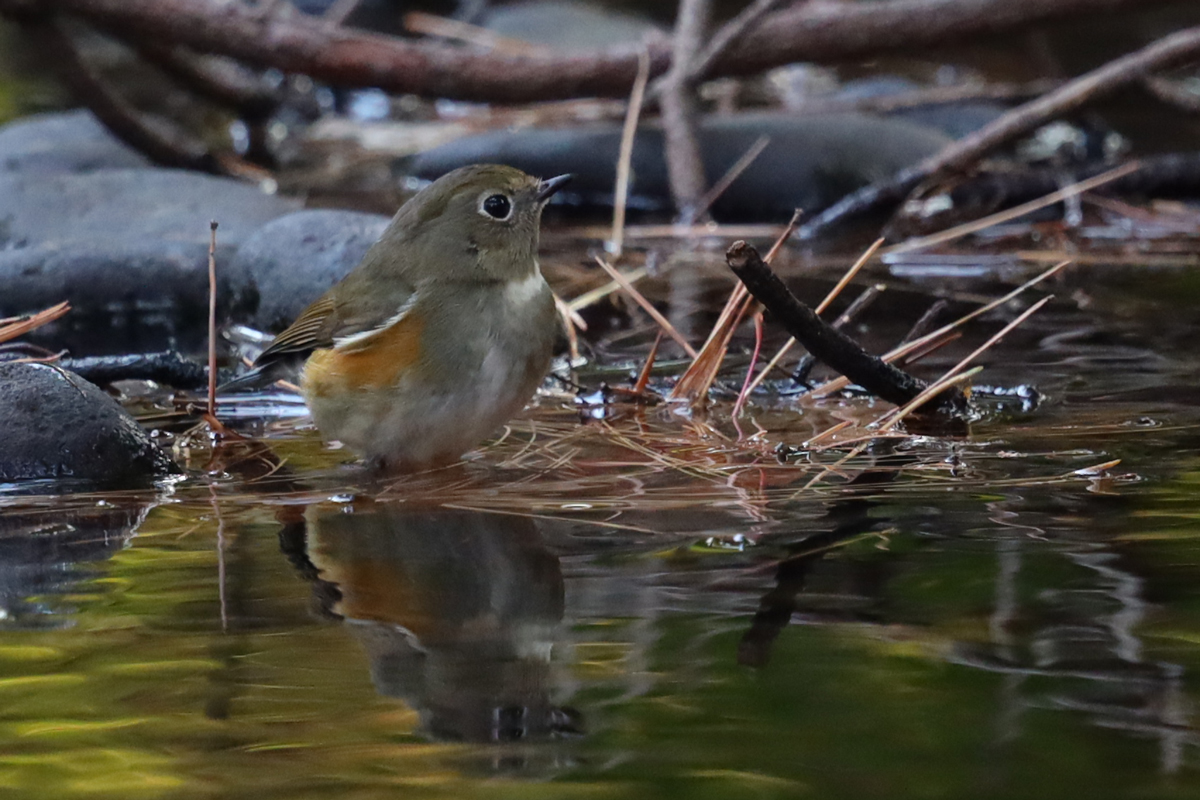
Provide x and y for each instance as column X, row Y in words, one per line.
column 497, row 206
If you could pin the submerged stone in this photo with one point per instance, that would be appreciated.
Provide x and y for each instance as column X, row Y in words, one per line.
column 57, row 425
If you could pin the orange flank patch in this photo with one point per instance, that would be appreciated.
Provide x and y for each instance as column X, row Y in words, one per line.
column 376, row 364
column 381, row 592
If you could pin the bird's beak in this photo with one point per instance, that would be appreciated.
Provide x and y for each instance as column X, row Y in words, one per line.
column 549, row 187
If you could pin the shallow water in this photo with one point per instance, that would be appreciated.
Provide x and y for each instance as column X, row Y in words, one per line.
column 633, row 604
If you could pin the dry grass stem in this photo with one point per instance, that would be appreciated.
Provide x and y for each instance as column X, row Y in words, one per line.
column 892, row 417
column 599, row 293
column 694, row 383
column 958, row 231
column 899, row 352
column 621, row 194
column 698, row 378
column 13, row 327
column 833, row 430
column 740, row 403
column 731, row 175
column 950, row 379
column 571, row 321
column 784, row 235
column 931, row 347
column 643, row 378
column 212, row 319
column 918, row 401
column 646, row 305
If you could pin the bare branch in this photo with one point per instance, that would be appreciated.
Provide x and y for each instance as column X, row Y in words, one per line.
column 685, row 167
column 163, row 146
column 729, row 33
column 348, row 57
column 249, row 98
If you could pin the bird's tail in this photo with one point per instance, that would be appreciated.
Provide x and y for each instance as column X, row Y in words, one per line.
column 257, row 378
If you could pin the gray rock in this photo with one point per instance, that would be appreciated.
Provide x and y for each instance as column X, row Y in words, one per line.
column 57, row 425
column 291, row 261
column 143, row 204
column 71, row 141
column 810, row 162
column 109, row 277
column 127, row 238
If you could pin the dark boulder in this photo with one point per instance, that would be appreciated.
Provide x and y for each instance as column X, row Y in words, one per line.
column 57, row 425
column 810, row 161
column 291, row 261
column 122, row 240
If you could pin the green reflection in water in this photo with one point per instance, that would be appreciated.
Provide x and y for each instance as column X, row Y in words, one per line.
column 1050, row 654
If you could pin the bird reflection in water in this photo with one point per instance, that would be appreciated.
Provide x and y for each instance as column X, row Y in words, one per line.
column 458, row 612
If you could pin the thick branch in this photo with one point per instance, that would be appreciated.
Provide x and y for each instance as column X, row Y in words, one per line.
column 223, row 84
column 160, row 145
column 814, row 32
column 826, row 343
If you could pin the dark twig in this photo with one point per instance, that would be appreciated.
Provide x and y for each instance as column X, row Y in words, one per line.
column 685, row 167
column 830, row 346
column 1166, row 52
column 212, row 319
column 820, row 32
column 922, row 325
column 168, row 368
column 806, row 363
column 166, row 147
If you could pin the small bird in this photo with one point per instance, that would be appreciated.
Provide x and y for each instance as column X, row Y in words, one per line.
column 442, row 332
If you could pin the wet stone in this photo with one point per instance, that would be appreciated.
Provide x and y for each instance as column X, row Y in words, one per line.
column 291, row 261
column 57, row 425
column 68, row 142
column 134, row 238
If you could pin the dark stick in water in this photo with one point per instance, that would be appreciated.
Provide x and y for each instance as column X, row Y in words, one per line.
column 829, row 345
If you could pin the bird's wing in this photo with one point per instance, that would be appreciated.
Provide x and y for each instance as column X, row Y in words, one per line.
column 313, row 329
column 330, row 323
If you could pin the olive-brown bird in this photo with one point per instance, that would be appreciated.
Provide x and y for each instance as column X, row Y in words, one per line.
column 440, row 334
